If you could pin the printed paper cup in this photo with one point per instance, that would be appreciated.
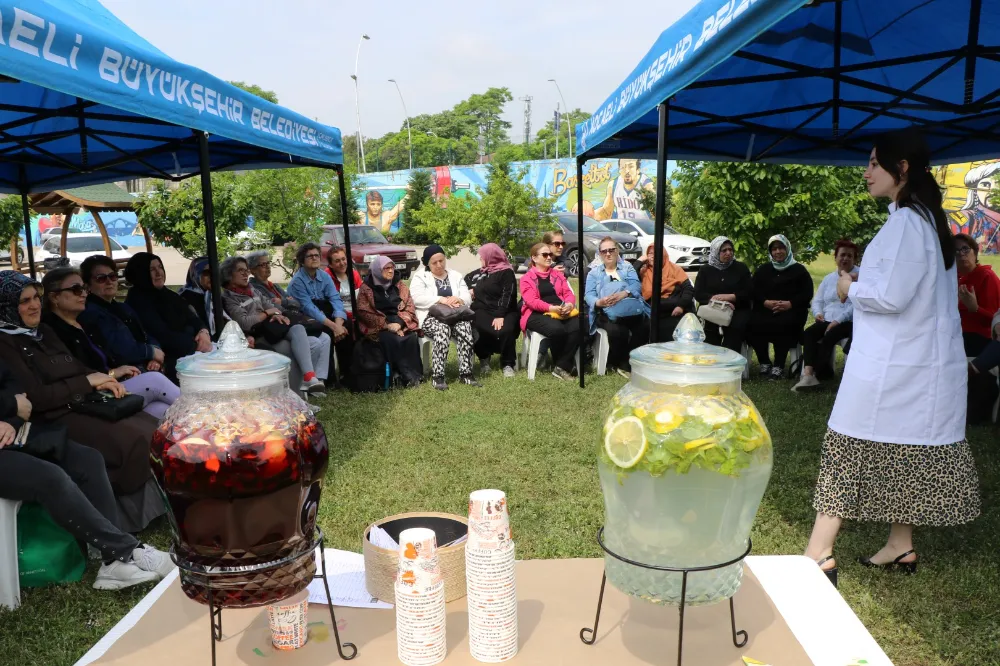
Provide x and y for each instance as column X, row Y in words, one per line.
column 489, row 520
column 288, row 621
column 419, row 568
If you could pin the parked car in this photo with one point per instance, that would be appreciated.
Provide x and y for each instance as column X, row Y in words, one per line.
column 688, row 252
column 593, row 232
column 366, row 243
column 79, row 247
column 51, row 232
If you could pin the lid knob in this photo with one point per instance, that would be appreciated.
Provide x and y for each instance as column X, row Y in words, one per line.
column 689, row 330
column 232, row 342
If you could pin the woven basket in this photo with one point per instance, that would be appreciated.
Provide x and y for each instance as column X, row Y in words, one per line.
column 381, row 563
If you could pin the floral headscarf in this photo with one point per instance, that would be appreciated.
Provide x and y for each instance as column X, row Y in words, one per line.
column 789, row 260
column 714, row 254
column 12, row 283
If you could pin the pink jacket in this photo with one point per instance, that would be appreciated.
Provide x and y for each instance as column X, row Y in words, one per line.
column 530, row 300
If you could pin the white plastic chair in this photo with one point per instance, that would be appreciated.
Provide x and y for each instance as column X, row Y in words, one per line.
column 530, row 353
column 426, row 346
column 602, row 345
column 10, row 586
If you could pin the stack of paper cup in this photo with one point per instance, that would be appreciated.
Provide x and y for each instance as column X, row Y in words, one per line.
column 288, row 620
column 489, row 576
column 420, row 605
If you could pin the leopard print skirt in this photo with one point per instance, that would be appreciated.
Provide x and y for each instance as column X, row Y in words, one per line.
column 896, row 483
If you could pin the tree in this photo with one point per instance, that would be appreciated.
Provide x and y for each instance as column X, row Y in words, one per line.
column 418, row 191
column 286, row 204
column 269, row 95
column 509, row 213
column 11, row 219
column 813, row 206
column 647, row 201
column 484, row 110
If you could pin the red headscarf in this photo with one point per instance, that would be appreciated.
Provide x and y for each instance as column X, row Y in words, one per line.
column 495, row 258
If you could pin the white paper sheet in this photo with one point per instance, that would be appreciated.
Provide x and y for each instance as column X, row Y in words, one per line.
column 379, row 537
column 345, row 573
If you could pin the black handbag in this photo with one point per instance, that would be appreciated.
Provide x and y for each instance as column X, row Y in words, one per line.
column 449, row 315
column 272, row 331
column 104, row 405
column 314, row 328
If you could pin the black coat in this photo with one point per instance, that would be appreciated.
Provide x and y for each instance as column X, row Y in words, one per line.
column 793, row 284
column 496, row 294
column 734, row 280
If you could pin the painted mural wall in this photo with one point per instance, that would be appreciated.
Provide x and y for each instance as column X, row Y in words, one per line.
column 967, row 199
column 123, row 227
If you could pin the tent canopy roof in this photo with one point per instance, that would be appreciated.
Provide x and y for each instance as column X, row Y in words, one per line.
column 90, row 101
column 784, row 81
column 107, row 197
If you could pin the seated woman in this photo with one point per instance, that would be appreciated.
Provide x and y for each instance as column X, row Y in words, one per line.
column 549, row 307
column 387, row 316
column 65, row 295
column 728, row 280
column 69, row 480
column 782, row 292
column 336, row 268
column 313, row 288
column 494, row 300
column 114, row 326
column 614, row 294
column 259, row 263
column 978, row 294
column 436, row 284
column 676, row 292
column 164, row 313
column 54, row 380
column 834, row 320
column 262, row 319
column 197, row 291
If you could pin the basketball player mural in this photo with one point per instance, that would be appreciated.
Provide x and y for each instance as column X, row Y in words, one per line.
column 375, row 216
column 622, row 201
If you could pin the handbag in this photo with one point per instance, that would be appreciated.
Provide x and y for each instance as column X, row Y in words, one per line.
column 272, row 331
column 449, row 315
column 627, row 307
column 314, row 328
column 717, row 312
column 104, row 405
column 46, row 553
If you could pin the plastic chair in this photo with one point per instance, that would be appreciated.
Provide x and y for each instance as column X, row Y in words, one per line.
column 748, row 355
column 10, row 586
column 530, row 351
column 602, row 345
column 426, row 346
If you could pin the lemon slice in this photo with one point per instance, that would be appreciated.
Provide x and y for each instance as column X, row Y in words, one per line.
column 625, row 442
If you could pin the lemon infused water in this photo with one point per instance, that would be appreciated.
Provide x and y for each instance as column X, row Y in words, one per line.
column 684, row 464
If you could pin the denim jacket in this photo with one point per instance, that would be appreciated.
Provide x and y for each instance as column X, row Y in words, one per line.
column 599, row 285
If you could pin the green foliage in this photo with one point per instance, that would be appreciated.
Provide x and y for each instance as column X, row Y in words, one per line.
column 286, row 204
column 647, row 201
column 813, row 206
column 418, row 192
column 11, row 219
column 508, row 212
column 269, row 95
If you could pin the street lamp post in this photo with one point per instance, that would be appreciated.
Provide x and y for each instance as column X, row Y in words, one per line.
column 569, row 124
column 409, row 136
column 357, row 104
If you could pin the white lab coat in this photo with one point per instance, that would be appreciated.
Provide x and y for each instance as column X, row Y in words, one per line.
column 423, row 291
column 906, row 375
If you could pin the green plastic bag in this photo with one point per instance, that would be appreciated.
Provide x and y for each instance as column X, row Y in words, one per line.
column 46, row 553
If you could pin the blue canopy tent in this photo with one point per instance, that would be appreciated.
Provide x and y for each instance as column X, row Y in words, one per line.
column 85, row 100
column 805, row 82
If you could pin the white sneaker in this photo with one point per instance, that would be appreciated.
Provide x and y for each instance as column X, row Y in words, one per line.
column 806, row 382
column 314, row 385
column 119, row 575
column 624, row 373
column 508, row 372
column 148, row 558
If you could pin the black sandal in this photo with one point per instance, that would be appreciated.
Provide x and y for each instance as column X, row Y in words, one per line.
column 909, row 568
column 831, row 574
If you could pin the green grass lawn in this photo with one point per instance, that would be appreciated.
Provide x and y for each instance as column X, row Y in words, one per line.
column 424, row 450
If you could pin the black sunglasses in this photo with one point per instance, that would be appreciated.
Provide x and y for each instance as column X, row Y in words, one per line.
column 77, row 289
column 559, row 243
column 547, row 255
column 609, row 250
column 104, row 278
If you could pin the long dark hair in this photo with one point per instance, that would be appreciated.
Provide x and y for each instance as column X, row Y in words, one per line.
column 920, row 191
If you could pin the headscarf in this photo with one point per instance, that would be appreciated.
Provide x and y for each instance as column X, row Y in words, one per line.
column 12, row 283
column 495, row 258
column 429, row 252
column 193, row 284
column 672, row 277
column 789, row 259
column 714, row 258
column 172, row 307
column 375, row 270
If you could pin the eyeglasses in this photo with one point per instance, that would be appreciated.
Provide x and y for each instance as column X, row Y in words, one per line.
column 962, row 251
column 263, row 263
column 609, row 251
column 105, row 278
column 78, row 289
column 312, row 256
column 242, row 271
column 546, row 255
column 559, row 243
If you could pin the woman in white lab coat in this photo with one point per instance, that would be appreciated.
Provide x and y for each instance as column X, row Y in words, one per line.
column 895, row 450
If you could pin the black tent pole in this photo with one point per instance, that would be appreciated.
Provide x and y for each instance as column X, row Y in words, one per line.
column 584, row 321
column 205, row 166
column 660, row 214
column 347, row 246
column 27, row 223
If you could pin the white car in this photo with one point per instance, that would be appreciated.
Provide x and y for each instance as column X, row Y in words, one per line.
column 79, row 247
column 688, row 252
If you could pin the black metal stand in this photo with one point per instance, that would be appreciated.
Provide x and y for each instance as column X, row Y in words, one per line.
column 215, row 612
column 740, row 637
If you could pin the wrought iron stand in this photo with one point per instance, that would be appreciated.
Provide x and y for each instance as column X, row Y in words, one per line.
column 215, row 612
column 740, row 637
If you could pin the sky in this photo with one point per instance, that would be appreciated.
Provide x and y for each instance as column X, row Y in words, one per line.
column 439, row 52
